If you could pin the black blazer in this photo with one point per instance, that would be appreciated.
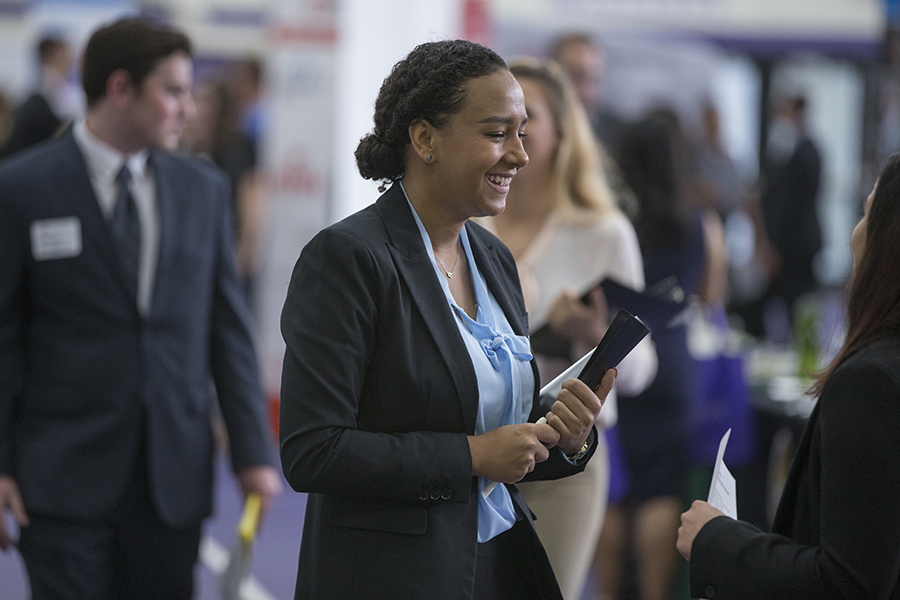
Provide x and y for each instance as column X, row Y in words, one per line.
column 789, row 202
column 33, row 122
column 83, row 375
column 378, row 395
column 836, row 533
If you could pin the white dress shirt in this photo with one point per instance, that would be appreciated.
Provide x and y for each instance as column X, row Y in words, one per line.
column 103, row 165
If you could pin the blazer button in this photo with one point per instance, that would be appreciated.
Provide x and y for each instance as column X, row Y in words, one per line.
column 435, row 494
column 710, row 592
column 446, row 493
column 423, row 494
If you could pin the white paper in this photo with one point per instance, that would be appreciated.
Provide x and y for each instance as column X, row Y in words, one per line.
column 723, row 489
column 549, row 392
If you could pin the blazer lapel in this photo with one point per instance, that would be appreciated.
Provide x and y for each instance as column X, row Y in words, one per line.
column 167, row 204
column 72, row 176
column 414, row 266
column 485, row 251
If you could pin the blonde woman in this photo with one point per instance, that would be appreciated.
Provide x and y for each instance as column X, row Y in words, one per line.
column 566, row 233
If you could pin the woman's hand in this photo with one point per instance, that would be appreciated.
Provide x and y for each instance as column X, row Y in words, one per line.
column 510, row 452
column 575, row 410
column 575, row 320
column 692, row 522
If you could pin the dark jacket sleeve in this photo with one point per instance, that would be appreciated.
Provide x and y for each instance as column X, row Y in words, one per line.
column 234, row 364
column 853, row 550
column 33, row 122
column 13, row 248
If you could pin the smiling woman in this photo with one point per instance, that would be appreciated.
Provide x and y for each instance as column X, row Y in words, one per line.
column 407, row 386
column 475, row 154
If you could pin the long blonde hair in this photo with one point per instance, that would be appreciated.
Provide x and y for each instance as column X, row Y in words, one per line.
column 580, row 187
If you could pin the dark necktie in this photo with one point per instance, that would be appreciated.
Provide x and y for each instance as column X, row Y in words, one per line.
column 126, row 226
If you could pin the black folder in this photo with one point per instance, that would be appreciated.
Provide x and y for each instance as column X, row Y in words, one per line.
column 657, row 306
column 622, row 336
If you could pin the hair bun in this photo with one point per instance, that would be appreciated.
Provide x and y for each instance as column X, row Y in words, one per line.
column 430, row 83
column 377, row 160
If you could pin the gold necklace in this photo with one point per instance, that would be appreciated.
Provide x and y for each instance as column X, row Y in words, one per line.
column 449, row 273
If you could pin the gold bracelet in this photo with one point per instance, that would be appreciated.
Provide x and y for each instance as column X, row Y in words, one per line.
column 582, row 451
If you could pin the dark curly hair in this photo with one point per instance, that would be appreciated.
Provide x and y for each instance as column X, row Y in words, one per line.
column 430, row 83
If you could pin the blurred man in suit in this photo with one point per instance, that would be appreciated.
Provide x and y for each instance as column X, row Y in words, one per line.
column 53, row 101
column 789, row 233
column 119, row 307
column 584, row 61
column 791, row 175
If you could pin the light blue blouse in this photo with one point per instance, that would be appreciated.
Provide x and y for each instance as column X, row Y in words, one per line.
column 505, row 378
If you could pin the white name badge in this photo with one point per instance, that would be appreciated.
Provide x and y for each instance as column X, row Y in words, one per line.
column 55, row 238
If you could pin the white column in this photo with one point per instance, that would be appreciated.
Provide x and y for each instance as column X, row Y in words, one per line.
column 372, row 37
column 322, row 96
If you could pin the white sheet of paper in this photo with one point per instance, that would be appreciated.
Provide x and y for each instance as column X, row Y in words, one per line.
column 549, row 392
column 723, row 489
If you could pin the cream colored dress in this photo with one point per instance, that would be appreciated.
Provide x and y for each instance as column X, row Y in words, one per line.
column 575, row 254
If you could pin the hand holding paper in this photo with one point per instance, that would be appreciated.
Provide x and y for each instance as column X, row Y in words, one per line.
column 582, row 320
column 575, row 411
column 722, row 500
column 657, row 307
column 622, row 336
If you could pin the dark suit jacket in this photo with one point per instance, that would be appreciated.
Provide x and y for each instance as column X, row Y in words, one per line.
column 836, row 533
column 378, row 395
column 789, row 202
column 82, row 373
column 33, row 122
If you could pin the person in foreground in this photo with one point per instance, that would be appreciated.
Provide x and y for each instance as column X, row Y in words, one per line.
column 408, row 381
column 835, row 532
column 118, row 304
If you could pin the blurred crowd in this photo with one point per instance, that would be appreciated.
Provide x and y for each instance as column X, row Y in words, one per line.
column 227, row 129
column 743, row 251
column 772, row 220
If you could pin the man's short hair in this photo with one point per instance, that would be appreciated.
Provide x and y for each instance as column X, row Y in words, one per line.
column 48, row 45
column 135, row 45
column 562, row 43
